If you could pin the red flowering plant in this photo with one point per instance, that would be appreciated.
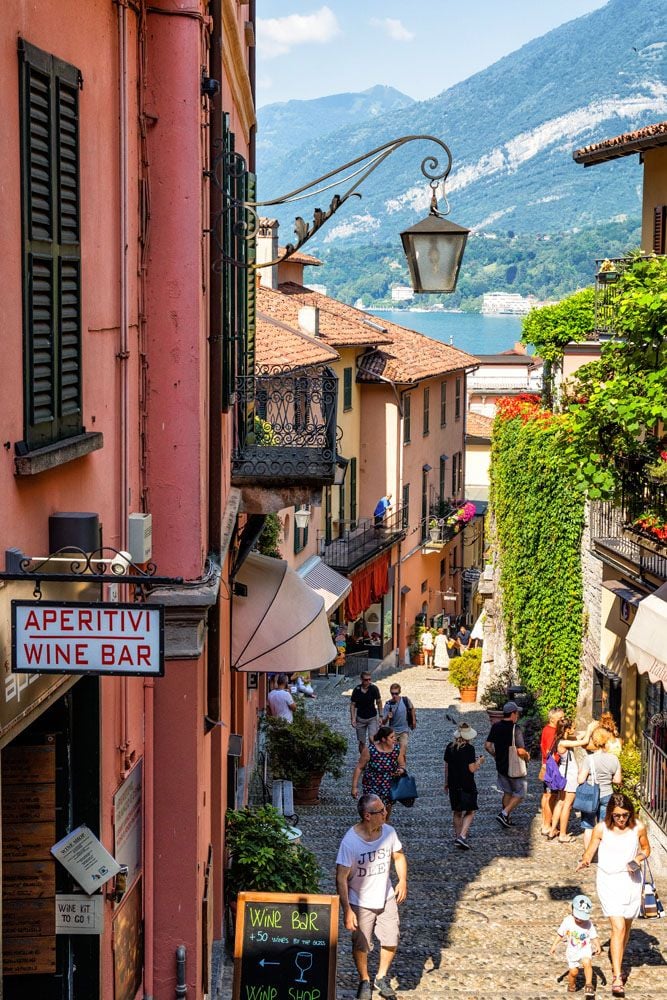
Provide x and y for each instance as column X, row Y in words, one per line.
column 462, row 515
column 653, row 525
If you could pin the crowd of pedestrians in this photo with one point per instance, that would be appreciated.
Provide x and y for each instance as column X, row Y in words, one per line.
column 368, row 849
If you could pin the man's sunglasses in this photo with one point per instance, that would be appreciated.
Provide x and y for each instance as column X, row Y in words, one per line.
column 377, row 812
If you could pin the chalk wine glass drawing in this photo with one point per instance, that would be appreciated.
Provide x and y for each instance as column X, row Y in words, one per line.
column 303, row 961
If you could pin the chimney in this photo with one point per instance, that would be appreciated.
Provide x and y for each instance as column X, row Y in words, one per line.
column 267, row 249
column 309, row 320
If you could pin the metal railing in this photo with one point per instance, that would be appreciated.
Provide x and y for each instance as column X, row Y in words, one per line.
column 285, row 427
column 606, row 296
column 359, row 544
column 612, row 531
column 653, row 784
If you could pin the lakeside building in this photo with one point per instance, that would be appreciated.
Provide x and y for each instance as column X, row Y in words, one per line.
column 508, row 303
column 402, row 293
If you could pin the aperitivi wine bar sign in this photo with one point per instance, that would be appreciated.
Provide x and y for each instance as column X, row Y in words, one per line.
column 80, row 638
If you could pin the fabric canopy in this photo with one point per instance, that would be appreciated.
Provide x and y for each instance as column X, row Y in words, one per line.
column 281, row 624
column 368, row 587
column 646, row 641
column 326, row 582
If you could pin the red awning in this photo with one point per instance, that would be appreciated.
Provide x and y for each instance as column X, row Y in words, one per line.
column 369, row 586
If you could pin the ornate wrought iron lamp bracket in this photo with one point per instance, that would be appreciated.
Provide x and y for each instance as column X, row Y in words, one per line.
column 105, row 565
column 245, row 215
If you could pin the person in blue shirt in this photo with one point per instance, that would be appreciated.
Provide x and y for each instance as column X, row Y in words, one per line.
column 381, row 508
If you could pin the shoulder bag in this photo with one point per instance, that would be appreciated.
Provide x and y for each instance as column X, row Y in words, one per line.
column 404, row 789
column 410, row 712
column 554, row 780
column 650, row 904
column 587, row 797
column 516, row 767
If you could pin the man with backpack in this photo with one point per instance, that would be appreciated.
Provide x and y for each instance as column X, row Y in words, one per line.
column 399, row 714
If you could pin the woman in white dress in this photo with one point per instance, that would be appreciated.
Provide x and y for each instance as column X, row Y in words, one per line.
column 427, row 647
column 441, row 655
column 623, row 846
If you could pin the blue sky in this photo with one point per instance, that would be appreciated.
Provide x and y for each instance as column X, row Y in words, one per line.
column 310, row 48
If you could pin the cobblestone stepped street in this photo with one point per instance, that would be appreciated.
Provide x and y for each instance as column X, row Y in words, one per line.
column 477, row 924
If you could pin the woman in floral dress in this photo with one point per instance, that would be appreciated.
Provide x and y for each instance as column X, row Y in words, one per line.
column 380, row 762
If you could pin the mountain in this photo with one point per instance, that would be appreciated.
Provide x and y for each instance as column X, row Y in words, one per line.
column 283, row 126
column 511, row 128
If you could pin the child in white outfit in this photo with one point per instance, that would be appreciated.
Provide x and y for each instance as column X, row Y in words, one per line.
column 581, row 943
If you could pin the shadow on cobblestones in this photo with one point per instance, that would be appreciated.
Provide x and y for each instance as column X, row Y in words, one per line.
column 477, row 923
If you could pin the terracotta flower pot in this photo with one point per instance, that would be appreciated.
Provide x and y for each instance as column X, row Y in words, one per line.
column 494, row 714
column 468, row 694
column 417, row 659
column 308, row 794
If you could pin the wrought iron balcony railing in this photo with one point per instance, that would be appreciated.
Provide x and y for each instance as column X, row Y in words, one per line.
column 285, row 427
column 615, row 530
column 361, row 543
column 653, row 785
column 607, row 273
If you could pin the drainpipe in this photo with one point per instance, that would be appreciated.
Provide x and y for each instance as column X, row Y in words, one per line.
column 149, row 835
column 181, row 982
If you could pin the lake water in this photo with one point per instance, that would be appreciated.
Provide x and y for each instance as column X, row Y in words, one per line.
column 471, row 332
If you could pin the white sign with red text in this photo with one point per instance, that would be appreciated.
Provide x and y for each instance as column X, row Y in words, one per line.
column 62, row 638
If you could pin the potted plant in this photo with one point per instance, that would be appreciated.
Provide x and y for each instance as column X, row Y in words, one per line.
column 434, row 530
column 464, row 673
column 262, row 856
column 416, row 651
column 303, row 751
column 607, row 273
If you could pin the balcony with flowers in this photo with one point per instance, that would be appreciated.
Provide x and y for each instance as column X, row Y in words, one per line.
column 446, row 519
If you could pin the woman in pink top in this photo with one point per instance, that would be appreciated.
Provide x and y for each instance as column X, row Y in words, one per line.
column 622, row 845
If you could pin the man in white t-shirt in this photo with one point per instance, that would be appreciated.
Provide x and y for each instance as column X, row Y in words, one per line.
column 368, row 899
column 280, row 700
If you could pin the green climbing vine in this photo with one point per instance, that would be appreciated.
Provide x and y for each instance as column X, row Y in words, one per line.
column 539, row 520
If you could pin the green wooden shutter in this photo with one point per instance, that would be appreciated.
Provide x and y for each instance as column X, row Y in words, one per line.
column 353, row 493
column 49, row 117
column 347, row 388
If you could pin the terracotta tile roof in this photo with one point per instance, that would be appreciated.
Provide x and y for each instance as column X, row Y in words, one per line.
column 403, row 356
column 477, row 425
column 336, row 329
column 278, row 343
column 300, row 258
column 622, row 145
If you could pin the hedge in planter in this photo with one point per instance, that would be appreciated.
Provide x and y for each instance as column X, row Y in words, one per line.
column 464, row 670
column 262, row 858
column 304, row 747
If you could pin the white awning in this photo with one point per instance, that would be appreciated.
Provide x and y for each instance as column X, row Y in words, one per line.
column 326, row 582
column 646, row 641
column 281, row 624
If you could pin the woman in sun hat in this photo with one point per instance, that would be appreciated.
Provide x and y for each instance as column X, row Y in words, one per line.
column 461, row 763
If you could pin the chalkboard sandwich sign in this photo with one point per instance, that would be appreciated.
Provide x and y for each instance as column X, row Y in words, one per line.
column 285, row 946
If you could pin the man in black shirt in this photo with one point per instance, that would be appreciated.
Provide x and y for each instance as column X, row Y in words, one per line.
column 365, row 710
column 498, row 743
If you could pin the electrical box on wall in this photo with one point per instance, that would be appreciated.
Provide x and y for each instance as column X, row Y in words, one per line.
column 140, row 537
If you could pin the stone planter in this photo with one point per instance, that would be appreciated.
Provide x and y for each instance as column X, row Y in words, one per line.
column 435, row 534
column 468, row 694
column 308, row 793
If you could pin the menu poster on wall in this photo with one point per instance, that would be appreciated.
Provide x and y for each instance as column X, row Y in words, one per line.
column 86, row 859
column 285, row 946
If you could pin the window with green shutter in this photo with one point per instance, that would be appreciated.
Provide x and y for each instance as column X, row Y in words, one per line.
column 51, row 250
column 353, row 493
column 406, row 419
column 443, row 404
column 347, row 388
column 427, row 398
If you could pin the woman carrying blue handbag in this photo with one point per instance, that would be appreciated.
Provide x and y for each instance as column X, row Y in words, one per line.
column 597, row 775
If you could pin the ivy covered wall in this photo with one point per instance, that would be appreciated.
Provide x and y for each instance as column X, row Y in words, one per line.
column 539, row 515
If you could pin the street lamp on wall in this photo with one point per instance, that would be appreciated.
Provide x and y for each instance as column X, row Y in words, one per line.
column 302, row 517
column 433, row 248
